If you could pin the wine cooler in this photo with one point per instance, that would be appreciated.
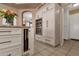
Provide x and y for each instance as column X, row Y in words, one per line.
column 25, row 40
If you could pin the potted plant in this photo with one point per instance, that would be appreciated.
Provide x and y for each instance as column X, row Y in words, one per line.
column 8, row 15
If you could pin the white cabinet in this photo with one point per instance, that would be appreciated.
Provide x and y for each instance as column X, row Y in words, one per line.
column 51, row 24
column 11, row 51
column 10, row 41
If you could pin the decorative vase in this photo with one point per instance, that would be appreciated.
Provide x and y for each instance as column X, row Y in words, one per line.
column 9, row 22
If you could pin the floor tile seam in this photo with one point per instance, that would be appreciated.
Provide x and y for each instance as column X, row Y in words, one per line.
column 69, row 50
column 40, row 51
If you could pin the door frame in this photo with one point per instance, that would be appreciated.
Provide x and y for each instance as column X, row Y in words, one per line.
column 61, row 25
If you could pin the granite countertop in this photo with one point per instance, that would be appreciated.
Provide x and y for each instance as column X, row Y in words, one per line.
column 13, row 27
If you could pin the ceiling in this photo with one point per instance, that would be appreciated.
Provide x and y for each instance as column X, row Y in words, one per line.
column 23, row 5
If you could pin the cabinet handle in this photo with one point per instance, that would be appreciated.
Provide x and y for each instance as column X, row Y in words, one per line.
column 5, row 31
column 9, row 55
column 5, row 42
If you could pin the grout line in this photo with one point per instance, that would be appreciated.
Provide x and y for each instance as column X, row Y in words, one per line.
column 42, row 50
column 69, row 50
column 53, row 53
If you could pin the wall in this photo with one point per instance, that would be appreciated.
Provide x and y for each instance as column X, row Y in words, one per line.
column 20, row 11
column 71, row 24
column 66, row 24
column 74, row 26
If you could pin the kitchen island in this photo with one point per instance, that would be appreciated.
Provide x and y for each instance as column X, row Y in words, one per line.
column 11, row 40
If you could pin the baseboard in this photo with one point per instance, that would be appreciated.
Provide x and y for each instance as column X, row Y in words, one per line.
column 67, row 39
column 48, row 43
column 75, row 39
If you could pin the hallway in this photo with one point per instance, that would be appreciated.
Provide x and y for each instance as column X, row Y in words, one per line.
column 70, row 48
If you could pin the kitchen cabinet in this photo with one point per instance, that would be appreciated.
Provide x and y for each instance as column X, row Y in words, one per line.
column 11, row 41
column 50, row 24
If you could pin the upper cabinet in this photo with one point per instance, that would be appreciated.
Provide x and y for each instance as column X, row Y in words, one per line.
column 44, row 9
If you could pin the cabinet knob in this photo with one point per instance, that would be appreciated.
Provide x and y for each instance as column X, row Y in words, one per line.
column 9, row 54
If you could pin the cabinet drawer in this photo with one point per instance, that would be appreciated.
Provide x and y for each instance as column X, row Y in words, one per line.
column 16, row 39
column 5, row 31
column 5, row 42
column 16, row 31
column 11, row 51
column 5, row 38
column 9, row 40
column 8, row 31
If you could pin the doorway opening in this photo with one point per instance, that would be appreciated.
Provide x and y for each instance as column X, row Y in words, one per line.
column 71, row 23
column 27, row 22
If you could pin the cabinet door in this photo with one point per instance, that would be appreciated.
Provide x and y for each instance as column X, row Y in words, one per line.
column 11, row 51
column 50, row 23
column 44, row 26
column 49, row 26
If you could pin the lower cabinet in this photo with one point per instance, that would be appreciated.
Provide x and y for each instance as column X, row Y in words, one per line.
column 11, row 51
column 11, row 42
column 50, row 41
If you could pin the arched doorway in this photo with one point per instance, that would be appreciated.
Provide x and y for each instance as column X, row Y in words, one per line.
column 27, row 22
column 27, row 18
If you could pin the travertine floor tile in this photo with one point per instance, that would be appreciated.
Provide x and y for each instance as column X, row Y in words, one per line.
column 73, row 52
column 70, row 48
column 50, row 50
column 38, row 54
column 63, row 51
column 45, row 53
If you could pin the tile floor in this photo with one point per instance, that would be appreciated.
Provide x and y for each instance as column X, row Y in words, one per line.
column 70, row 48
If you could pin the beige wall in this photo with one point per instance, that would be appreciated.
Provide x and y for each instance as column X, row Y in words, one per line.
column 20, row 11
